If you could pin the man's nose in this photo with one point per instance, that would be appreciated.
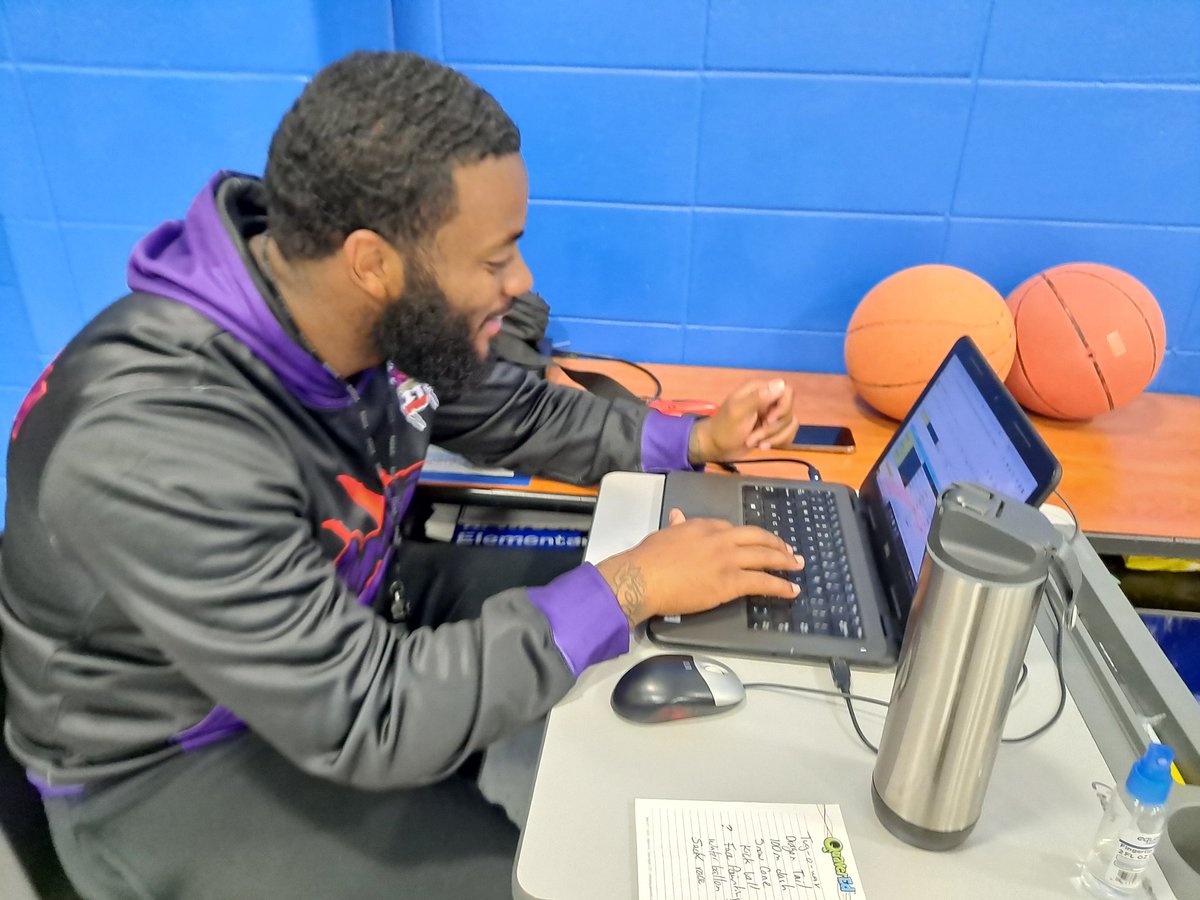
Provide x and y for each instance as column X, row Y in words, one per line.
column 520, row 278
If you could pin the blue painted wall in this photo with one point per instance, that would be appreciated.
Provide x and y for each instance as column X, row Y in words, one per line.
column 714, row 181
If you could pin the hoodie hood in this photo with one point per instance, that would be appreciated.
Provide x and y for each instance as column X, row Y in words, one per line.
column 202, row 262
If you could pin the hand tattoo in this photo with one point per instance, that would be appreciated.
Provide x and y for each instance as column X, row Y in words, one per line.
column 630, row 588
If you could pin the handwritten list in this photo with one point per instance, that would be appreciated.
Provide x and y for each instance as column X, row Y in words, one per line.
column 708, row 850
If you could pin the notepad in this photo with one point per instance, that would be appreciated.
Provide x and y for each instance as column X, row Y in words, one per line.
column 705, row 850
column 442, row 466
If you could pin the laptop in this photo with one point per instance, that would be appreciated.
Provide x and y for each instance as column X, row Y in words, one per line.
column 863, row 549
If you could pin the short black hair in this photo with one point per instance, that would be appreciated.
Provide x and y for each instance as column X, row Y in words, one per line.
column 372, row 142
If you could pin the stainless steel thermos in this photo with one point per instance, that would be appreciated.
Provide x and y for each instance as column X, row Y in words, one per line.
column 986, row 564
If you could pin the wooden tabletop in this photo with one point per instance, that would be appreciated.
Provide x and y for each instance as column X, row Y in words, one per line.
column 1134, row 471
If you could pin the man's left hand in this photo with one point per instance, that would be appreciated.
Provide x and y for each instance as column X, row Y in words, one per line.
column 759, row 415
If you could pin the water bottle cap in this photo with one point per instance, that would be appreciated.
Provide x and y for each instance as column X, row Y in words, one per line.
column 1149, row 780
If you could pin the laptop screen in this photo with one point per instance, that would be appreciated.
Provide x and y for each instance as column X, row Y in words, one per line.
column 964, row 427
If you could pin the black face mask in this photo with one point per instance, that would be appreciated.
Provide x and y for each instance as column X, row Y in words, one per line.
column 427, row 340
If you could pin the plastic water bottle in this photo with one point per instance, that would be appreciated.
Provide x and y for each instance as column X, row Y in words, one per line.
column 1133, row 822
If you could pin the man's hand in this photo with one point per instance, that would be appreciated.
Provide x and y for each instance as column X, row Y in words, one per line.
column 757, row 415
column 697, row 564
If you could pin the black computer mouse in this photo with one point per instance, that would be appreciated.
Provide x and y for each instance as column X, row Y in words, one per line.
column 676, row 686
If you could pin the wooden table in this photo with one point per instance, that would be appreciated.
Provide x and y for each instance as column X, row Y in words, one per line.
column 1132, row 476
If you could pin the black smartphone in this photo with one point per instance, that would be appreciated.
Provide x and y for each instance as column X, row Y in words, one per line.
column 831, row 438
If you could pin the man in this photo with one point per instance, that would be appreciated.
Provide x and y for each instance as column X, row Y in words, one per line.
column 226, row 673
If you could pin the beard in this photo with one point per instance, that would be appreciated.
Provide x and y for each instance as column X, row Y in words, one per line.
column 424, row 338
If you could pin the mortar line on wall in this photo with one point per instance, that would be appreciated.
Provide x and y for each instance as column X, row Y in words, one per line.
column 668, row 71
column 439, row 21
column 162, row 72
column 1183, row 228
column 1189, row 320
column 391, row 17
column 82, row 223
column 4, row 34
column 44, row 170
column 734, row 210
column 1079, row 223
column 592, row 320
column 749, row 329
column 691, row 214
column 1188, row 86
column 684, row 207
column 962, row 150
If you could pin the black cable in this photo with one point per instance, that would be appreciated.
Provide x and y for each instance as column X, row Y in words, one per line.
column 578, row 354
column 772, row 685
column 1061, row 622
column 1074, row 518
column 845, row 695
column 814, row 474
column 840, row 670
column 858, row 728
column 1062, row 684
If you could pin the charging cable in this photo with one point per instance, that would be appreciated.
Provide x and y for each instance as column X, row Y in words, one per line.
column 1060, row 585
column 579, row 354
column 814, row 474
column 841, row 693
column 841, row 677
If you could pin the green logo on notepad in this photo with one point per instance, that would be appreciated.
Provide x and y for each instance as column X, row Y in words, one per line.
column 833, row 847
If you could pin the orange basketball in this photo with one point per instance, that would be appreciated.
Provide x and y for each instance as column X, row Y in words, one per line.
column 1089, row 338
column 906, row 324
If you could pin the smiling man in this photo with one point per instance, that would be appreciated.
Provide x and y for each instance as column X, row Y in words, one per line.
column 226, row 672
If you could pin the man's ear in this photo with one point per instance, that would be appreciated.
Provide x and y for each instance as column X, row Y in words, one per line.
column 373, row 265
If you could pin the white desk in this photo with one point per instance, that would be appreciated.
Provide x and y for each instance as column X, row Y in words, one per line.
column 1040, row 814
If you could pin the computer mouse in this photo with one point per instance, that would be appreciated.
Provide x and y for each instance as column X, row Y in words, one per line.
column 676, row 686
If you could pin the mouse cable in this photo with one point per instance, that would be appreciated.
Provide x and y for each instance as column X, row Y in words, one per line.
column 843, row 671
column 846, row 696
column 814, row 474
column 579, row 354
column 840, row 670
column 776, row 686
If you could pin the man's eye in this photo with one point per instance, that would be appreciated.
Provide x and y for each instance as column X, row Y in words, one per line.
column 497, row 265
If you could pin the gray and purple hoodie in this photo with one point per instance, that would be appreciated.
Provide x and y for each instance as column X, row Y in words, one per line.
column 198, row 536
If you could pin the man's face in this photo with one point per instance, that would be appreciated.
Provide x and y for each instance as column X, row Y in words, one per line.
column 438, row 330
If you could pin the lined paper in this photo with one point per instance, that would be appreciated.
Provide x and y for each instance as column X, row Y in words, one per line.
column 709, row 850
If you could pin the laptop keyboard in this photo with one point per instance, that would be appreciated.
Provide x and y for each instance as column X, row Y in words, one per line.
column 808, row 521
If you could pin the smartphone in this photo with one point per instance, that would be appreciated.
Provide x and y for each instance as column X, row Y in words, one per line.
column 830, row 438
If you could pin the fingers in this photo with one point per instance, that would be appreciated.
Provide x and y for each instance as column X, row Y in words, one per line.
column 749, row 389
column 676, row 517
column 744, row 405
column 776, row 434
column 765, row 559
column 752, row 535
column 763, row 584
column 776, row 417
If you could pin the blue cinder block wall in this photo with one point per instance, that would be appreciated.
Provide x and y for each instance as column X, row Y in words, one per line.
column 713, row 181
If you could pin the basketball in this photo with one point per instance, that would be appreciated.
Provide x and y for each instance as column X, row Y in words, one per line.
column 1089, row 339
column 905, row 325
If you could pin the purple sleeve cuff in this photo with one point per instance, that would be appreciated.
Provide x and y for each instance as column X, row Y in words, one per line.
column 587, row 624
column 665, row 442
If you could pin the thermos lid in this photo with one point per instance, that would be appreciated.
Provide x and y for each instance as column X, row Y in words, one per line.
column 990, row 536
column 1149, row 780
